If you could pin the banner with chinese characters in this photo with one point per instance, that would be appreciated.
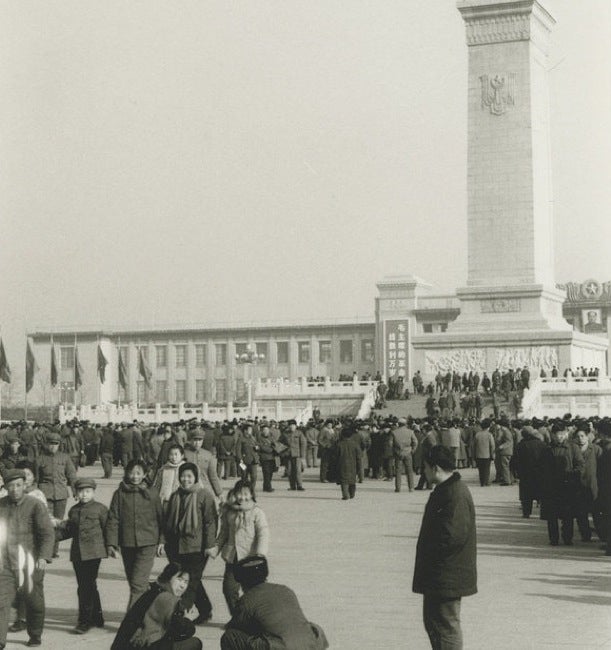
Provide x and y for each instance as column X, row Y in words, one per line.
column 396, row 345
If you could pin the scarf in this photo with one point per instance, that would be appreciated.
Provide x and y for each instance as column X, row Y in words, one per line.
column 183, row 511
column 169, row 480
column 130, row 487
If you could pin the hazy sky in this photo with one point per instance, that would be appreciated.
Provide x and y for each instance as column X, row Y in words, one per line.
column 202, row 161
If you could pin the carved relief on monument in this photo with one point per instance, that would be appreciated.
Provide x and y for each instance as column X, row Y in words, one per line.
column 540, row 356
column 500, row 305
column 514, row 27
column 498, row 91
column 589, row 291
column 460, row 360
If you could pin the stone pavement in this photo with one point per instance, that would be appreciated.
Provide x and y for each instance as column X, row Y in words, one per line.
column 351, row 565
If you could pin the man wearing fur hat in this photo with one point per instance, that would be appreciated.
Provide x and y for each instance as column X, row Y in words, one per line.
column 26, row 547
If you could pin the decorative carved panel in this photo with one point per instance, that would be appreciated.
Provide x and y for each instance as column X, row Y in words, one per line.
column 460, row 360
column 500, row 305
column 513, row 27
column 540, row 356
column 498, row 92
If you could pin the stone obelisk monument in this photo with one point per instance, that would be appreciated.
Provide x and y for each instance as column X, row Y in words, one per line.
column 510, row 310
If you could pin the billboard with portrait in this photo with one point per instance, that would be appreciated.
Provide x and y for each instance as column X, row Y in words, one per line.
column 592, row 322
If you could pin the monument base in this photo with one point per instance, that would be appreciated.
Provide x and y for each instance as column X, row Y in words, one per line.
column 487, row 350
column 510, row 308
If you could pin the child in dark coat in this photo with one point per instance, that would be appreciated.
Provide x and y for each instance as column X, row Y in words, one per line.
column 86, row 526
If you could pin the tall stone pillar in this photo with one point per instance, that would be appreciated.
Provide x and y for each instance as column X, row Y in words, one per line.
column 509, row 209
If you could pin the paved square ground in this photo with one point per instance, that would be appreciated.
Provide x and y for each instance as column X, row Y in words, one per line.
column 351, row 564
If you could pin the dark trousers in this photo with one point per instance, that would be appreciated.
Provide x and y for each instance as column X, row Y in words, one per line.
column 234, row 639
column 566, row 530
column 89, row 606
column 404, row 463
column 389, row 467
column 483, row 468
column 226, row 468
column 231, row 588
column 527, row 507
column 442, row 622
column 312, row 456
column 325, row 454
column 267, row 469
column 107, row 465
column 195, row 594
column 33, row 599
column 138, row 564
column 57, row 508
column 294, row 472
column 348, row 490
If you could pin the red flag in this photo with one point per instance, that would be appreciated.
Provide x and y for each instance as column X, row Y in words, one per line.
column 102, row 363
column 53, row 367
column 144, row 370
column 5, row 370
column 31, row 368
column 122, row 372
column 78, row 371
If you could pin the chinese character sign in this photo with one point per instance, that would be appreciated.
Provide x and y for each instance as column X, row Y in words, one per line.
column 396, row 345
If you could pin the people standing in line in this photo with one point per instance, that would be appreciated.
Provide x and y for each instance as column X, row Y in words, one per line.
column 326, row 441
column 482, row 450
column 347, row 462
column 106, row 451
column 311, row 434
column 86, row 526
column 244, row 531
column 135, row 526
column 267, row 454
column 528, row 467
column 226, row 453
column 406, row 444
column 296, row 443
column 446, row 553
column 247, row 455
column 562, row 468
column 190, row 535
column 56, row 473
column 26, row 547
column 587, row 490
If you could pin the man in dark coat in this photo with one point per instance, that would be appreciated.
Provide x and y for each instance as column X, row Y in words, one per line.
column 604, row 482
column 528, row 466
column 25, row 550
column 562, row 465
column 268, row 615
column 348, row 462
column 446, row 552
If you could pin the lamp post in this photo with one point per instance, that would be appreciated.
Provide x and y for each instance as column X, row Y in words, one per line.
column 249, row 358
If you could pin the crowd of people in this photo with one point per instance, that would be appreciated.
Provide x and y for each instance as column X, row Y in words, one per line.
column 170, row 501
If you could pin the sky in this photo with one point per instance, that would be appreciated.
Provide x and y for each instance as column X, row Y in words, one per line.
column 225, row 161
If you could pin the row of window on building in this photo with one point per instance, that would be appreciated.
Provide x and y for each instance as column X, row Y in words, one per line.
column 346, row 353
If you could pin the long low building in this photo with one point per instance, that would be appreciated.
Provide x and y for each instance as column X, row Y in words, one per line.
column 205, row 364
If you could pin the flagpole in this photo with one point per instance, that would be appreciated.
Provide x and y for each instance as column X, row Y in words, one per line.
column 118, row 366
column 99, row 378
column 25, row 414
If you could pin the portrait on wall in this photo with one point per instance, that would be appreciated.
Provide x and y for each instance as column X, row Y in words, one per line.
column 592, row 321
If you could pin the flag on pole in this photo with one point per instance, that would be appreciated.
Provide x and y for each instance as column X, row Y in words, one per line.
column 5, row 369
column 78, row 371
column 53, row 366
column 144, row 370
column 102, row 363
column 31, row 368
column 122, row 372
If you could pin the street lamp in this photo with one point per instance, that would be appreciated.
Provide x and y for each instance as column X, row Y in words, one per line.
column 249, row 358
